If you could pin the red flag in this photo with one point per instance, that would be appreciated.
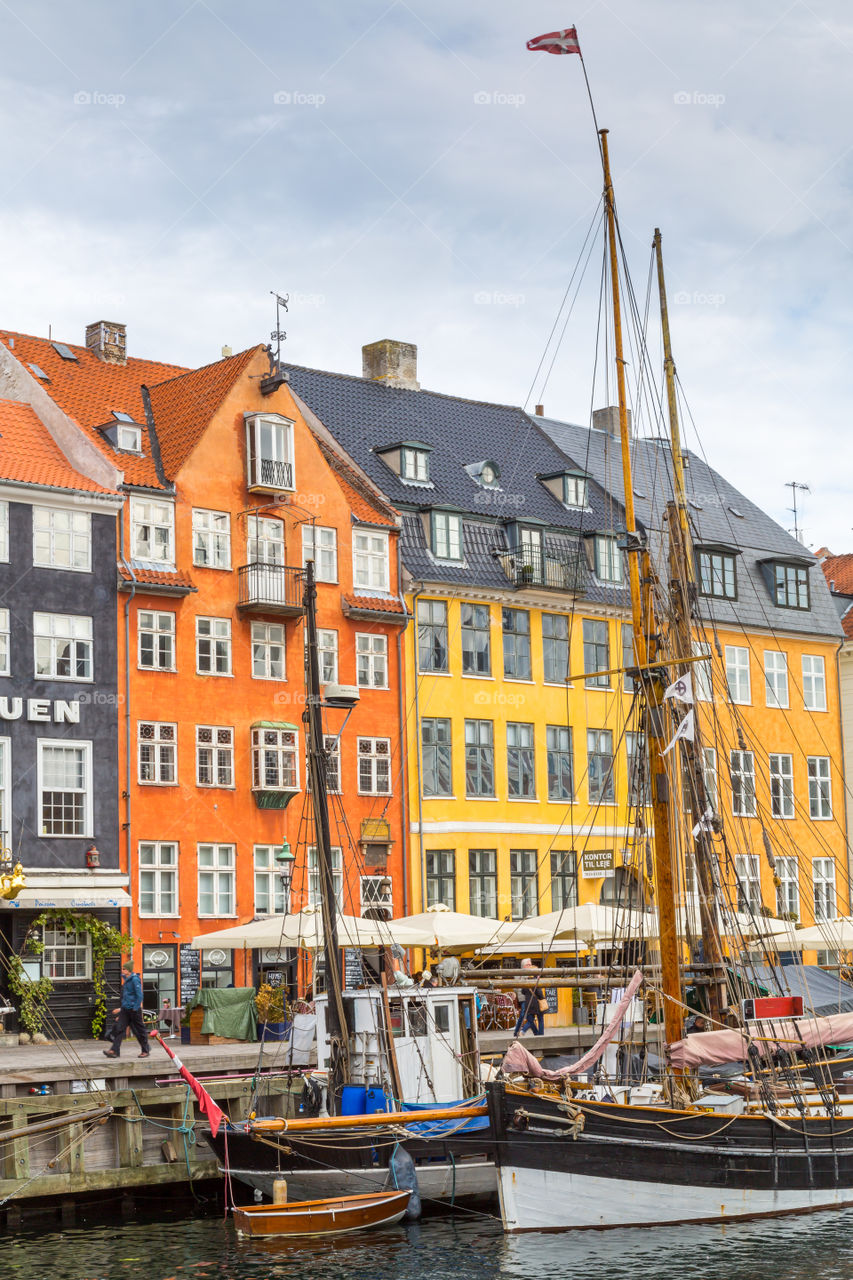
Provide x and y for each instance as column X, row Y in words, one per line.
column 206, row 1105
column 556, row 42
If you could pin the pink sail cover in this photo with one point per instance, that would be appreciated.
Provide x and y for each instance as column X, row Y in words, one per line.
column 519, row 1060
column 713, row 1048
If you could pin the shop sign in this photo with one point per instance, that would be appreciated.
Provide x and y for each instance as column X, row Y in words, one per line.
column 596, row 863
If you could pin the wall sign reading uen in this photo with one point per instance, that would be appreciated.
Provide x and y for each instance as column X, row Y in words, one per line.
column 596, row 863
column 41, row 710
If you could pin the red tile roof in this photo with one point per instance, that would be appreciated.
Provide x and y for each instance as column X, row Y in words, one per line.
column 29, row 454
column 365, row 506
column 839, row 571
column 847, row 623
column 89, row 389
column 181, row 582
column 184, row 406
column 374, row 604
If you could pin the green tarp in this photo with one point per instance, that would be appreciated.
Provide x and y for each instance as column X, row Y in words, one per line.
column 228, row 1011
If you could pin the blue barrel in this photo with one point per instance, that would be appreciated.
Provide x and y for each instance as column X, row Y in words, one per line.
column 353, row 1100
column 376, row 1101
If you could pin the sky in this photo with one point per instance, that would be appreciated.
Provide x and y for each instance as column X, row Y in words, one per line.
column 408, row 170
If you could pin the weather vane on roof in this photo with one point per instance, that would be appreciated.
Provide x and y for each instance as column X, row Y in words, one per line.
column 278, row 334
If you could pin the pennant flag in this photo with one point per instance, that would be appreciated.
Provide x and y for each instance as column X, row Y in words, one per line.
column 682, row 689
column 705, row 823
column 684, row 730
column 556, row 42
column 206, row 1105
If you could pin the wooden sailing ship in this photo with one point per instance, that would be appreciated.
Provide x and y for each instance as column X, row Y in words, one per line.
column 584, row 1154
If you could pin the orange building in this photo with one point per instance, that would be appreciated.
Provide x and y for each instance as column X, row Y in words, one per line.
column 231, row 485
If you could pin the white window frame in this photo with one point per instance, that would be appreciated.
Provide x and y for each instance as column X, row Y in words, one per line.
column 738, row 676
column 219, row 634
column 703, row 677
column 78, row 539
column 373, row 753
column 74, row 947
column 446, row 535
column 748, row 868
column 161, row 872
column 371, row 660
column 255, row 426
column 776, row 678
column 709, row 775
column 608, row 558
column 315, row 889
column 414, row 464
column 520, row 760
column 268, row 878
column 221, row 752
column 157, row 514
column 62, row 629
column 781, row 768
column 159, row 743
column 4, row 532
column 327, row 656
column 320, row 544
column 67, row 744
column 128, row 437
column 265, row 637
column 372, row 897
column 574, row 491
column 788, row 889
column 211, row 538
column 220, row 873
column 5, row 643
column 371, row 560
column 824, row 886
column 283, row 745
column 814, row 682
column 162, row 624
column 820, row 788
column 265, row 540
column 738, row 760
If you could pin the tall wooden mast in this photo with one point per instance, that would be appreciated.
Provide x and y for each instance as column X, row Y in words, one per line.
column 682, row 591
column 646, row 644
column 336, row 1022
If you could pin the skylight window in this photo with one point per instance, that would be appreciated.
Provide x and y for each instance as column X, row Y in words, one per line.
column 62, row 350
column 737, row 513
column 120, row 416
column 39, row 372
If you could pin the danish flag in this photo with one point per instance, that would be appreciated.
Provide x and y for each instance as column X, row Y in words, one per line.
column 556, row 42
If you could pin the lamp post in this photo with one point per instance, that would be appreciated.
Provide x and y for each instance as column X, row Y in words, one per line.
column 284, row 860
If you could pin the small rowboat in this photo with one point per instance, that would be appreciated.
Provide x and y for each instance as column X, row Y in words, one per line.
column 334, row 1217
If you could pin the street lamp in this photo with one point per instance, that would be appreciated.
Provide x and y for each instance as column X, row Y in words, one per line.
column 284, row 860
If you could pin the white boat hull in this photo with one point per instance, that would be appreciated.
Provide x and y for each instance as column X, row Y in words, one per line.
column 553, row 1200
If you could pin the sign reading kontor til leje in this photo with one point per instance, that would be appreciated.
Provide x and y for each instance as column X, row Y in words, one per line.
column 596, row 863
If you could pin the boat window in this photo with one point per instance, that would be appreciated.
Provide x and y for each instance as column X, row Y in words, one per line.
column 417, row 1018
column 395, row 1011
column 442, row 1018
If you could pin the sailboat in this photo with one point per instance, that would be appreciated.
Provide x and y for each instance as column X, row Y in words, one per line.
column 574, row 1153
column 408, row 1055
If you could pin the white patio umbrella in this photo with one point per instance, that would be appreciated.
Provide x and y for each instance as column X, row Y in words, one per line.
column 829, row 935
column 592, row 924
column 448, row 930
column 740, row 924
column 304, row 929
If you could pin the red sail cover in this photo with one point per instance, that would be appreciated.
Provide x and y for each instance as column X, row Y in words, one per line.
column 206, row 1105
column 713, row 1048
column 556, row 42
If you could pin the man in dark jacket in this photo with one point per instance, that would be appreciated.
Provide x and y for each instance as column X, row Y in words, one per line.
column 129, row 1014
column 529, row 1013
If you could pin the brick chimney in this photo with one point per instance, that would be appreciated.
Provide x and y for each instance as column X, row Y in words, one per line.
column 108, row 341
column 391, row 362
column 607, row 420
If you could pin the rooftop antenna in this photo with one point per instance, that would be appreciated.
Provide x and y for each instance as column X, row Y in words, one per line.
column 794, row 485
column 278, row 334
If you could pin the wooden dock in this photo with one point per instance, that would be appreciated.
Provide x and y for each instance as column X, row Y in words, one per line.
column 147, row 1141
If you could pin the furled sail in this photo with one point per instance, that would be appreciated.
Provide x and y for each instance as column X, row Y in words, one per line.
column 713, row 1048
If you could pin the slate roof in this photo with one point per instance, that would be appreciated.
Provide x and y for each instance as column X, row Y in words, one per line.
column 366, row 416
column 719, row 513
column 89, row 390
column 29, row 455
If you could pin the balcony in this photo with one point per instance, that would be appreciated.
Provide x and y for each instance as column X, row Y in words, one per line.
column 269, row 475
column 530, row 566
column 270, row 588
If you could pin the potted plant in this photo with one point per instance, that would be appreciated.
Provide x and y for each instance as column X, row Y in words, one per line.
column 269, row 1006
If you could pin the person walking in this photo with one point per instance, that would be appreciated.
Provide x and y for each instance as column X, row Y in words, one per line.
column 530, row 1014
column 129, row 1013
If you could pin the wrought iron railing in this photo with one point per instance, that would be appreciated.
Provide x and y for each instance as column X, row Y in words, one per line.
column 269, row 586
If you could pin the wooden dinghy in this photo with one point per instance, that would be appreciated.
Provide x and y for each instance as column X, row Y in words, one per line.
column 334, row 1217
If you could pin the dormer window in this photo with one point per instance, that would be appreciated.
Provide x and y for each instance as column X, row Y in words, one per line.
column 414, row 464
column 717, row 572
column 571, row 488
column 791, row 586
column 123, row 433
column 486, row 474
column 608, row 558
column 446, row 535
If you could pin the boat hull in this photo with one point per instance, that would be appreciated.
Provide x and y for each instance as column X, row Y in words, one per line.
column 650, row 1166
column 343, row 1215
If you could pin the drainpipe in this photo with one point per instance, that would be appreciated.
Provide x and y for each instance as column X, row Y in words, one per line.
column 127, row 763
column 415, row 595
column 849, row 847
column 404, row 755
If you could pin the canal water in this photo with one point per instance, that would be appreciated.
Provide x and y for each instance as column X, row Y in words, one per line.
column 818, row 1247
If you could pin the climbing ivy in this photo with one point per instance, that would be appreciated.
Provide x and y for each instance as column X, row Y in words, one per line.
column 33, row 995
column 106, row 941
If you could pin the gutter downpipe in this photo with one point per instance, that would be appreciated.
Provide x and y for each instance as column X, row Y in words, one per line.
column 127, row 765
column 415, row 595
column 404, row 754
column 839, row 675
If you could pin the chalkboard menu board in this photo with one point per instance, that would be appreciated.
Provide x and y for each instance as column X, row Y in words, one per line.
column 353, row 972
column 551, row 997
column 190, row 972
